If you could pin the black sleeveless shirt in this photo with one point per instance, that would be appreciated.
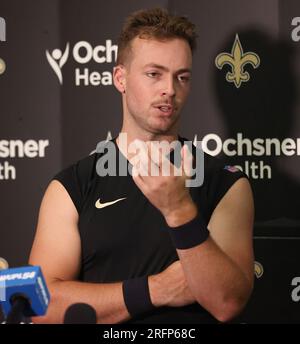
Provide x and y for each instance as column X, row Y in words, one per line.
column 129, row 238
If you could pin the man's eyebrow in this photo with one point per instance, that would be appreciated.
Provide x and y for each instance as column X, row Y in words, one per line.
column 154, row 65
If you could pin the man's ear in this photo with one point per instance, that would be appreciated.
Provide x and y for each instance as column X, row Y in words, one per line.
column 119, row 78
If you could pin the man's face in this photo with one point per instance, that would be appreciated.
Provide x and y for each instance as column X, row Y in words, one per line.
column 157, row 79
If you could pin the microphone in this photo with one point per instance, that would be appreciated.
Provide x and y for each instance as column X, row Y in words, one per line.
column 26, row 293
column 80, row 313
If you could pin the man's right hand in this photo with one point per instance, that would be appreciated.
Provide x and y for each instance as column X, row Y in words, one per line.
column 169, row 288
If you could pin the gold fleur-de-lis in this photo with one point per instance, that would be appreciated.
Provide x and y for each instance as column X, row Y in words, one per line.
column 237, row 60
column 258, row 269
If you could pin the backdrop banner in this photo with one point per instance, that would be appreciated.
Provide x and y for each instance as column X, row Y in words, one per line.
column 58, row 101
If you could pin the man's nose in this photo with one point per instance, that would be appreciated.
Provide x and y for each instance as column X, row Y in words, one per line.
column 169, row 87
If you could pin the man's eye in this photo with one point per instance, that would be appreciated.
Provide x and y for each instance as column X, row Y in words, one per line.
column 184, row 78
column 153, row 74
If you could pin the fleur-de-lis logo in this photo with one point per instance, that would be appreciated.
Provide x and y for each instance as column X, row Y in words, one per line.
column 237, row 60
column 258, row 269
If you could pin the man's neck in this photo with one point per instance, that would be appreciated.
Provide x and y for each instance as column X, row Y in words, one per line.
column 149, row 137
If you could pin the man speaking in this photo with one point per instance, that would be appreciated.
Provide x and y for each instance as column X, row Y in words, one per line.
column 144, row 247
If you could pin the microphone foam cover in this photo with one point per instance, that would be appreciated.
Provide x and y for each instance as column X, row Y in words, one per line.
column 80, row 313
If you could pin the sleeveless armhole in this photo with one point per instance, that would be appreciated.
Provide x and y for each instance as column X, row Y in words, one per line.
column 222, row 180
column 77, row 179
column 68, row 178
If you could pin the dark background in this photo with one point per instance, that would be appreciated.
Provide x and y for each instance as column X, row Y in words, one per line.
column 35, row 106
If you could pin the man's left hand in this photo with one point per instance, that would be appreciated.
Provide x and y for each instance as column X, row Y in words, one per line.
column 164, row 185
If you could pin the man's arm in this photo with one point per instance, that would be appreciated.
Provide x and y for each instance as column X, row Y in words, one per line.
column 219, row 271
column 57, row 249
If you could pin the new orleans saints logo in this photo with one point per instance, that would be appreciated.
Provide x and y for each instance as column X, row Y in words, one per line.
column 237, row 61
column 258, row 269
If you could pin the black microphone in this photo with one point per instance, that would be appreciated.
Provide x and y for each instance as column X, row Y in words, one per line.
column 80, row 313
column 20, row 305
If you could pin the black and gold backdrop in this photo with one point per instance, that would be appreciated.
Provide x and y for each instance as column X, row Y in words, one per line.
column 57, row 102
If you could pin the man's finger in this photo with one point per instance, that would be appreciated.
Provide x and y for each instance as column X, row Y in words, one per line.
column 187, row 161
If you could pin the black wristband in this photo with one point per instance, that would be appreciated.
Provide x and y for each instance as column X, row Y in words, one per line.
column 189, row 234
column 137, row 296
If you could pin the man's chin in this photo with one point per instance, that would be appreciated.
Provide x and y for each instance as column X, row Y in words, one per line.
column 162, row 127
column 161, row 130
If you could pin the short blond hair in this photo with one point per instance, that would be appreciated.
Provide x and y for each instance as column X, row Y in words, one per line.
column 156, row 23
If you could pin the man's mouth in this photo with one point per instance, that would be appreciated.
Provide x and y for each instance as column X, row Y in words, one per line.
column 165, row 109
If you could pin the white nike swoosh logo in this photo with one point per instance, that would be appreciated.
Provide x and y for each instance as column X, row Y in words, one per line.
column 100, row 205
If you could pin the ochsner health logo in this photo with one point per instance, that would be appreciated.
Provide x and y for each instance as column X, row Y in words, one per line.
column 57, row 59
column 2, row 30
column 86, row 57
column 2, row 39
